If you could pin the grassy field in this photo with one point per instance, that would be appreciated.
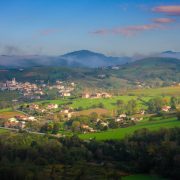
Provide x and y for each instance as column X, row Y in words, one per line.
column 5, row 110
column 165, row 91
column 99, row 111
column 3, row 131
column 9, row 114
column 109, row 103
column 122, row 132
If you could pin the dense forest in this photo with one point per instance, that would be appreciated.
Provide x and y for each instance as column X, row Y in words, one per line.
column 27, row 156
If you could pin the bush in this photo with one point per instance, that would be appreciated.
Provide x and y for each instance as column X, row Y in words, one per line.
column 178, row 115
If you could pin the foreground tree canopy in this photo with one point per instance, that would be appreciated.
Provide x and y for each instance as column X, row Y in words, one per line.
column 26, row 156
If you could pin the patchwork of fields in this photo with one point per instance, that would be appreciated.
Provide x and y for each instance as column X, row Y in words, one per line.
column 109, row 105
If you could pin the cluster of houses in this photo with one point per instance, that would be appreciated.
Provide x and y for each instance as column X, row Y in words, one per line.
column 122, row 119
column 87, row 128
column 96, row 95
column 63, row 90
column 36, row 91
column 27, row 89
column 140, row 85
column 19, row 122
column 66, row 113
column 42, row 109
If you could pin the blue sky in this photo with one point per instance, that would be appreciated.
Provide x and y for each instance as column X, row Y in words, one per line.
column 113, row 27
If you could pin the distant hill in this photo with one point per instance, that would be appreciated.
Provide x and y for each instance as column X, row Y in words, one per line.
column 165, row 69
column 170, row 54
column 82, row 58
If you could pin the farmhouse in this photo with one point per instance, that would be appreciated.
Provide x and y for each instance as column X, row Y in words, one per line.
column 87, row 128
column 31, row 118
column 34, row 106
column 96, row 95
column 65, row 94
column 104, row 124
column 86, row 95
column 122, row 116
column 115, row 68
column 105, row 95
column 52, row 106
column 14, row 123
column 165, row 108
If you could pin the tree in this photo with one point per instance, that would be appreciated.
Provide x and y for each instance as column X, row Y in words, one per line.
column 173, row 102
column 55, row 128
column 178, row 114
column 155, row 105
column 131, row 107
column 93, row 116
column 113, row 124
column 119, row 102
column 76, row 126
column 101, row 105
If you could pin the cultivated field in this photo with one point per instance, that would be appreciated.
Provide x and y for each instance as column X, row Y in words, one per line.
column 99, row 111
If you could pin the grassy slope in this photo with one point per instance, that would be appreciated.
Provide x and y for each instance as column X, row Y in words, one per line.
column 122, row 132
column 109, row 103
column 3, row 131
column 166, row 91
column 151, row 68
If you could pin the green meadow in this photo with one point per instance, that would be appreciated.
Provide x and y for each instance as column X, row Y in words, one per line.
column 108, row 103
column 3, row 131
column 164, row 91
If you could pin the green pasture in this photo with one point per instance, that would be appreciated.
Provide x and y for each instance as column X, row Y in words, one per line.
column 108, row 103
column 5, row 110
column 164, row 91
column 3, row 131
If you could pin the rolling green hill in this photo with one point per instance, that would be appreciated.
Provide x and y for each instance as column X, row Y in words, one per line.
column 151, row 68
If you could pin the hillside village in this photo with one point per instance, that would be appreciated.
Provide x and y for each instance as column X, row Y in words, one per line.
column 39, row 90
